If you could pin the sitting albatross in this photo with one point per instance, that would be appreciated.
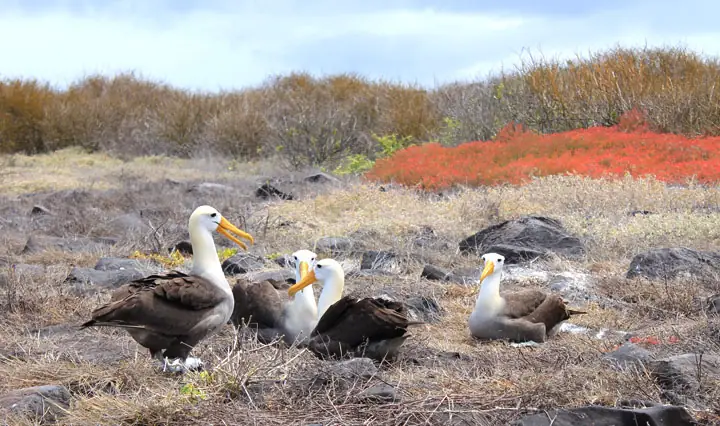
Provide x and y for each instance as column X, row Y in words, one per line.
column 370, row 327
column 520, row 316
column 175, row 311
column 262, row 307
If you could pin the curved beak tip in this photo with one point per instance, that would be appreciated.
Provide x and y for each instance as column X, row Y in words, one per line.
column 228, row 229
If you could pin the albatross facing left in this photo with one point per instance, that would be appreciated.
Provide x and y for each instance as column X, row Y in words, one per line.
column 175, row 311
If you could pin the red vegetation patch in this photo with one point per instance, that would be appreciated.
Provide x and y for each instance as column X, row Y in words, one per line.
column 516, row 155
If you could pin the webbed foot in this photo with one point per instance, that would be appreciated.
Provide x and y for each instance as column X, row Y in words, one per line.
column 177, row 365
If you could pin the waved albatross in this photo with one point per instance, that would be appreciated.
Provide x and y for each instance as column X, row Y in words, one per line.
column 527, row 315
column 370, row 327
column 175, row 311
column 265, row 309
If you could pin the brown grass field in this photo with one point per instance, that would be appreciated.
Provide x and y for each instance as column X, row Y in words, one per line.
column 442, row 376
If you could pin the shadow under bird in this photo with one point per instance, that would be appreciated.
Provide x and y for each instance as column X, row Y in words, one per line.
column 171, row 313
column 370, row 327
column 527, row 315
column 266, row 309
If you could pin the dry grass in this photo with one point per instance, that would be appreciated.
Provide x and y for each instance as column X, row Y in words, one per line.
column 443, row 376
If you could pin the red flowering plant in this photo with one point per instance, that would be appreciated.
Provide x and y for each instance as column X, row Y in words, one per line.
column 648, row 341
column 517, row 155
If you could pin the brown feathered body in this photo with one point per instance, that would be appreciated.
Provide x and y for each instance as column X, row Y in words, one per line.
column 169, row 312
column 260, row 306
column 370, row 327
column 527, row 315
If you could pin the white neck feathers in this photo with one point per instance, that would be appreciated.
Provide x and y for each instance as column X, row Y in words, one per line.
column 205, row 259
column 489, row 302
column 302, row 312
column 332, row 291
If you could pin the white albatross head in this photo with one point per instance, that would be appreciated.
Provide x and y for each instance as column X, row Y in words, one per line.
column 493, row 266
column 330, row 273
column 206, row 218
column 304, row 260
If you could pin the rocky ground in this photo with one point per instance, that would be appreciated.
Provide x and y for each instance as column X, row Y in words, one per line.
column 642, row 258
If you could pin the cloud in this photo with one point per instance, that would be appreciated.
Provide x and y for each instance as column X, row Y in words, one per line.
column 221, row 44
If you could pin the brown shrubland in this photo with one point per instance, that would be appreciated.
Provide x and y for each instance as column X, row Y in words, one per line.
column 308, row 120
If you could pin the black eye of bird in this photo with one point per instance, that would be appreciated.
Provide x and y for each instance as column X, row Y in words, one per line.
column 500, row 260
column 213, row 214
column 319, row 266
column 295, row 258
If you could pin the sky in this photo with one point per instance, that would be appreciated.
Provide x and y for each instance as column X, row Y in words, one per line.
column 211, row 45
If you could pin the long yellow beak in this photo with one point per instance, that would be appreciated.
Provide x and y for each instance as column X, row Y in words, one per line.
column 304, row 282
column 303, row 269
column 489, row 269
column 225, row 228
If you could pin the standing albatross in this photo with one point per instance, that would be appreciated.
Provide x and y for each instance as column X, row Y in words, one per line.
column 370, row 327
column 528, row 315
column 262, row 307
column 175, row 311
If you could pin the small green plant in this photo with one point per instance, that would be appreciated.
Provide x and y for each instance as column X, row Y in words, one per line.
column 173, row 260
column 273, row 256
column 354, row 164
column 449, row 132
column 227, row 253
column 192, row 392
column 392, row 143
column 361, row 163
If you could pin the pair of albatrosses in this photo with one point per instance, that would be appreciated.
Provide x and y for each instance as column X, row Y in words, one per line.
column 175, row 311
column 529, row 315
column 370, row 327
column 337, row 326
column 262, row 306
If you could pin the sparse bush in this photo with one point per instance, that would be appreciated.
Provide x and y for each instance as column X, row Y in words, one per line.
column 393, row 143
column 354, row 164
column 673, row 85
column 473, row 110
column 311, row 124
column 239, row 128
column 22, row 108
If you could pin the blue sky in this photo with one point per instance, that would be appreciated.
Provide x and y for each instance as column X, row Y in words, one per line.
column 225, row 44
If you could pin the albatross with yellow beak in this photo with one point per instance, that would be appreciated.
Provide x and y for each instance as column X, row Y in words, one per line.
column 262, row 307
column 528, row 315
column 172, row 312
column 369, row 327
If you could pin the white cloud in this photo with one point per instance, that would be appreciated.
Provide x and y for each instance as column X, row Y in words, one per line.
column 230, row 45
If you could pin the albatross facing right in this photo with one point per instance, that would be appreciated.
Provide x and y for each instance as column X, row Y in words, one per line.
column 528, row 315
column 175, row 311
